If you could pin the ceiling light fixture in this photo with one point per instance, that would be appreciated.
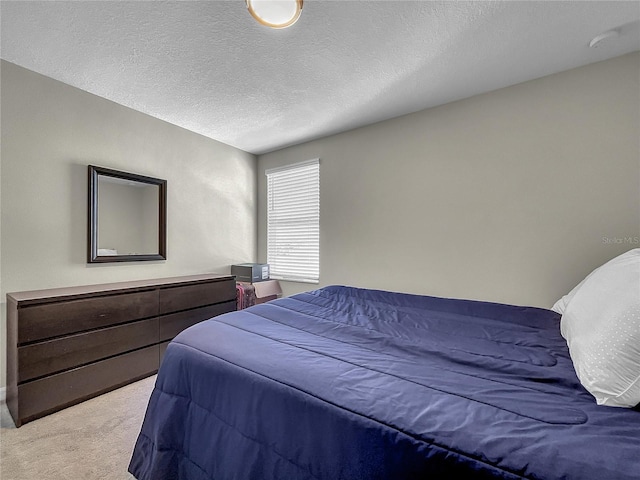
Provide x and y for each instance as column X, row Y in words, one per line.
column 275, row 13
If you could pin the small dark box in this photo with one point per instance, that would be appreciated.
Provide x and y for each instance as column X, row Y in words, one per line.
column 250, row 272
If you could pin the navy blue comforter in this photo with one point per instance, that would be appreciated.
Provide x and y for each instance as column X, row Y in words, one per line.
column 346, row 383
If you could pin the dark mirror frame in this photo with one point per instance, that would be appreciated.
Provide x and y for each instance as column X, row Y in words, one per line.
column 92, row 251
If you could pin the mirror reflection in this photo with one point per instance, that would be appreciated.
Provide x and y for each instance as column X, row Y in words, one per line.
column 128, row 217
column 127, row 214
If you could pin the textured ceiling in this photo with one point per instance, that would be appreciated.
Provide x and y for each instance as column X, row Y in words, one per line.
column 208, row 66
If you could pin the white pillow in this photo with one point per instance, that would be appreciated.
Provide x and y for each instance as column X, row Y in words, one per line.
column 601, row 323
column 561, row 305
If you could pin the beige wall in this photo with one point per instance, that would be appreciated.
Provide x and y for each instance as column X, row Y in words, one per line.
column 51, row 132
column 511, row 196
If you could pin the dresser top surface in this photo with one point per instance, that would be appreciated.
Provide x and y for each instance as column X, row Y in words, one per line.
column 38, row 296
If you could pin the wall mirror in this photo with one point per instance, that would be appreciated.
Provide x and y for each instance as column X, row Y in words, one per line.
column 127, row 217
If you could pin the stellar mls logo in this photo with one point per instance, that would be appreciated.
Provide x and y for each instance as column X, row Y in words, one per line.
column 621, row 240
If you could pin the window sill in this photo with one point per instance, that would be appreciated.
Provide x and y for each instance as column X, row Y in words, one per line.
column 295, row 280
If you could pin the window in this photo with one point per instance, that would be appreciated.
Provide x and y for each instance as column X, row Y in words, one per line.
column 293, row 222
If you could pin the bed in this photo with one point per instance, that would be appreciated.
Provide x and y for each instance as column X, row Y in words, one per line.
column 351, row 383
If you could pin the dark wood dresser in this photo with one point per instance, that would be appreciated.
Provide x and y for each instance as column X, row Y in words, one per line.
column 66, row 345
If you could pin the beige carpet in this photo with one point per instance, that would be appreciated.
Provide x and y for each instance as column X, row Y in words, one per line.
column 89, row 441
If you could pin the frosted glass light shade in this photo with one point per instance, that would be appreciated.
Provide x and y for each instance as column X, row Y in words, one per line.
column 275, row 13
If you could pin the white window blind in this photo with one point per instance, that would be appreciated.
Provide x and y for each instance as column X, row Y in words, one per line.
column 293, row 222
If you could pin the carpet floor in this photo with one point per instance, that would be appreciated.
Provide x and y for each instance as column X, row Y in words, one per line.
column 89, row 441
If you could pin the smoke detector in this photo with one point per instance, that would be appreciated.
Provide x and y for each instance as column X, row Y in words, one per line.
column 605, row 37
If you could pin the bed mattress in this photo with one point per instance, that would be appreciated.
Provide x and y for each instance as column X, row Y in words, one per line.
column 348, row 383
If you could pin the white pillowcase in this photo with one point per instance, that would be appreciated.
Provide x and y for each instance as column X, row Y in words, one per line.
column 561, row 305
column 601, row 323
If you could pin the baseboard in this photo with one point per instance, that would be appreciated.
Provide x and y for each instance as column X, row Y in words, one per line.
column 3, row 394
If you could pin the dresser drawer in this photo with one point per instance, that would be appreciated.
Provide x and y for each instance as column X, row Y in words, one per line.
column 173, row 324
column 39, row 322
column 44, row 358
column 174, row 299
column 53, row 393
